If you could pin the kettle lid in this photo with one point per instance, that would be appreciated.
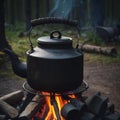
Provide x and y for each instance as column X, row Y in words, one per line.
column 55, row 40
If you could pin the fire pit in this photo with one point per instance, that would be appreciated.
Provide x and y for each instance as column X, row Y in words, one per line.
column 55, row 104
column 35, row 105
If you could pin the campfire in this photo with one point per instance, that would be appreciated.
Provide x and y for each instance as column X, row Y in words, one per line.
column 55, row 106
column 34, row 105
column 54, row 87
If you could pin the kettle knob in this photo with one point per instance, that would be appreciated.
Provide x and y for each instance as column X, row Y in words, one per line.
column 55, row 35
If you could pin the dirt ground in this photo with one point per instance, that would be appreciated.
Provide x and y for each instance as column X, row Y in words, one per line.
column 105, row 79
column 100, row 77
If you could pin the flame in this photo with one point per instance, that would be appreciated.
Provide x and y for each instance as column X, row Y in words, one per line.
column 60, row 102
column 51, row 115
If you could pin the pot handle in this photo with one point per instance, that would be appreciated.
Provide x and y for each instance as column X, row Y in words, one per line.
column 53, row 20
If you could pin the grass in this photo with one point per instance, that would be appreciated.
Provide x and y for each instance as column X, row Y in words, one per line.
column 97, row 41
column 101, row 58
column 20, row 44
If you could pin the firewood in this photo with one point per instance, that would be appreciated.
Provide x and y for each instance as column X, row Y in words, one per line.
column 26, row 100
column 32, row 108
column 8, row 109
column 13, row 98
column 101, row 50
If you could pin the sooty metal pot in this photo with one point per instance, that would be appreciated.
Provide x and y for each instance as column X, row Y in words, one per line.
column 54, row 65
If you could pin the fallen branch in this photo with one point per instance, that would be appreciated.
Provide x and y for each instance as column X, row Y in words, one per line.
column 13, row 98
column 8, row 109
column 32, row 108
column 101, row 50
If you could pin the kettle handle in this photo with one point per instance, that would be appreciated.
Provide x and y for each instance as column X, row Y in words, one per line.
column 53, row 20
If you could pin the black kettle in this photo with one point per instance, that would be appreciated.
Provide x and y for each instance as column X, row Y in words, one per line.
column 54, row 65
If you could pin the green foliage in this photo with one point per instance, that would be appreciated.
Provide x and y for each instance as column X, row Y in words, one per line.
column 18, row 44
column 21, row 44
column 94, row 39
column 102, row 58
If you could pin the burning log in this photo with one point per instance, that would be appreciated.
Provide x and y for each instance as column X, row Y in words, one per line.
column 32, row 108
column 54, row 103
column 111, row 51
column 70, row 112
column 89, row 116
column 8, row 109
column 97, row 104
column 78, row 104
column 13, row 97
column 41, row 115
column 26, row 100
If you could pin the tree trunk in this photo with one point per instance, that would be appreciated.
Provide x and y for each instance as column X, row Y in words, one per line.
column 37, row 15
column 97, row 8
column 28, row 13
column 79, row 11
column 47, row 6
column 3, row 41
column 12, row 12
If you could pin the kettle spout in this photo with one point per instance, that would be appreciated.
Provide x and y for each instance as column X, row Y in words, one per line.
column 18, row 67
